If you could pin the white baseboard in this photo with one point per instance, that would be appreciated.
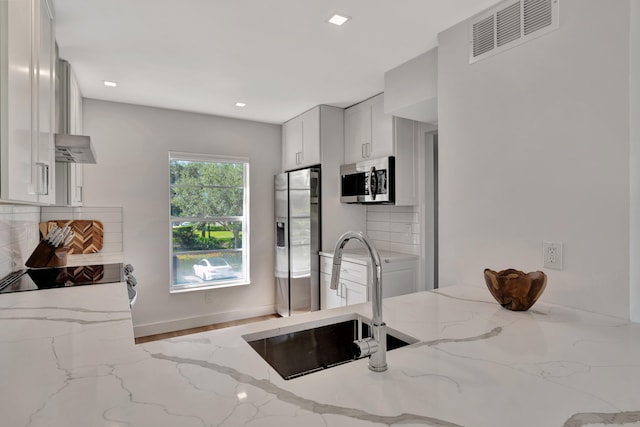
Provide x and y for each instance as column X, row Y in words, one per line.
column 195, row 322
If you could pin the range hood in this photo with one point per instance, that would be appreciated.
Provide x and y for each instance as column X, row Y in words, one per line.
column 74, row 149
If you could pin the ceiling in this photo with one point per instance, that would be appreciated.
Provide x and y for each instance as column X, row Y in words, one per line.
column 280, row 57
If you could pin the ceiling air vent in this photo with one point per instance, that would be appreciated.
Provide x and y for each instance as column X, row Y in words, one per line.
column 510, row 24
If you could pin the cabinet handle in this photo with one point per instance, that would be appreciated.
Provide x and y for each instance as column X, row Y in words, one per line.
column 368, row 149
column 42, row 179
column 363, row 150
column 79, row 193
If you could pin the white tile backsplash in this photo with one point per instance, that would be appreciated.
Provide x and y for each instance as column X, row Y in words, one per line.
column 18, row 235
column 394, row 228
column 110, row 217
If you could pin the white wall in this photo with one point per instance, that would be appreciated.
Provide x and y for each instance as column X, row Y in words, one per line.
column 19, row 236
column 534, row 145
column 634, row 130
column 132, row 145
column 411, row 88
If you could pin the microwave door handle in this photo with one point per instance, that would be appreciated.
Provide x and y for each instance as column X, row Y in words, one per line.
column 372, row 184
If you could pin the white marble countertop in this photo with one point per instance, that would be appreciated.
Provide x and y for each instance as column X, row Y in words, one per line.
column 68, row 359
column 361, row 256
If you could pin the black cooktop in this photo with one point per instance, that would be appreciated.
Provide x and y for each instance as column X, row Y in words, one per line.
column 60, row 277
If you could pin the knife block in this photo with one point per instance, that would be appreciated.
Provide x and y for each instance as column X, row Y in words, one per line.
column 45, row 255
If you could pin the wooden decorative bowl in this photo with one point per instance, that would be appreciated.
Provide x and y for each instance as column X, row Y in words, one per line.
column 514, row 289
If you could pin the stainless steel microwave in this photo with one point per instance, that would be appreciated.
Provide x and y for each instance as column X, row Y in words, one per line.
column 369, row 181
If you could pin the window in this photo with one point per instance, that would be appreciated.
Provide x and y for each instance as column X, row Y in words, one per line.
column 209, row 221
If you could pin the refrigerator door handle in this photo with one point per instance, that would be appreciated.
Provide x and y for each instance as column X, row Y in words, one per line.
column 280, row 234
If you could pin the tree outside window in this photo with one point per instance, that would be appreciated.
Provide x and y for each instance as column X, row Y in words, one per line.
column 209, row 221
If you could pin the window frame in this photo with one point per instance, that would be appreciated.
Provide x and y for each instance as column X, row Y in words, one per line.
column 245, row 218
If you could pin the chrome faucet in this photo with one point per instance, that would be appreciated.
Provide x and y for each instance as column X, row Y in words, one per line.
column 376, row 346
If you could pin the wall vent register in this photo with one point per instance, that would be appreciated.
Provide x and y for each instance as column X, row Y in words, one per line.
column 510, row 24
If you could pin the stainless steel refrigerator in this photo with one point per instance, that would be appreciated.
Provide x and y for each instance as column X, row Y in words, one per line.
column 297, row 264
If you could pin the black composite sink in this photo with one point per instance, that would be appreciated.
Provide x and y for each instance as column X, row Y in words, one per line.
column 310, row 348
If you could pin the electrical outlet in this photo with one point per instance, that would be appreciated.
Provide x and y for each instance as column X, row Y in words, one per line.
column 552, row 255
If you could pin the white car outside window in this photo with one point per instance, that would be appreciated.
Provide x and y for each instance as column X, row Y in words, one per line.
column 213, row 268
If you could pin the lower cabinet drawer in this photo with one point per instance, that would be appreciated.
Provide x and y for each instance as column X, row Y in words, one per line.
column 348, row 270
column 398, row 278
column 354, row 272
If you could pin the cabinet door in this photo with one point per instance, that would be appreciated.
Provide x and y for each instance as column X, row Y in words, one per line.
column 45, row 104
column 292, row 143
column 28, row 109
column 329, row 298
column 75, row 106
column 310, row 138
column 76, row 170
column 354, row 293
column 357, row 132
column 382, row 137
column 17, row 148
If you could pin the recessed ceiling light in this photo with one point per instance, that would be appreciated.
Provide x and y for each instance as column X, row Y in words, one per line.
column 338, row 19
column 110, row 84
column 241, row 104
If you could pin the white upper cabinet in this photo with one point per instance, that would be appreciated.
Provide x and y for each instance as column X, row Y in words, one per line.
column 381, row 129
column 76, row 170
column 357, row 132
column 69, row 176
column 46, row 58
column 368, row 131
column 28, row 101
column 301, row 140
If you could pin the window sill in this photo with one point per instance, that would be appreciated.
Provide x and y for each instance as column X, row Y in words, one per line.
column 188, row 288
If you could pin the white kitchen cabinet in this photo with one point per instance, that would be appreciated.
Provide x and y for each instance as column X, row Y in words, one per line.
column 348, row 292
column 352, row 287
column 357, row 130
column 27, row 73
column 353, row 292
column 370, row 133
column 399, row 275
column 69, row 176
column 301, row 140
column 76, row 170
column 382, row 126
column 329, row 298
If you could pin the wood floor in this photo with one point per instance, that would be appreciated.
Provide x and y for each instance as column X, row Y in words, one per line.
column 174, row 334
